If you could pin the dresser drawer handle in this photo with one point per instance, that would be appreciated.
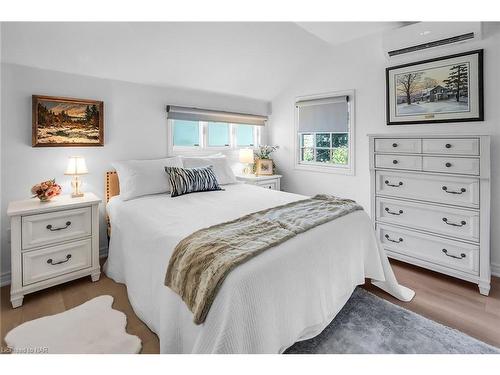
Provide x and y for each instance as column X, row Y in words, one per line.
column 393, row 213
column 389, row 184
column 462, row 190
column 49, row 227
column 394, row 145
column 50, row 261
column 448, row 165
column 390, row 239
column 453, row 256
column 394, row 161
column 462, row 223
column 447, row 145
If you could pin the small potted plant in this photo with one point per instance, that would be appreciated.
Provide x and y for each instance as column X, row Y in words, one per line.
column 264, row 165
column 46, row 190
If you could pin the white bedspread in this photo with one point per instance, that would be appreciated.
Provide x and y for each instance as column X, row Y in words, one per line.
column 289, row 293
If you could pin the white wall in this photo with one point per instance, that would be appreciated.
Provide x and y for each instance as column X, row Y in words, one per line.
column 135, row 126
column 360, row 65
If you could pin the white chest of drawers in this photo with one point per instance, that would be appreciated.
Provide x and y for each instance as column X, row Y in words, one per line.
column 52, row 242
column 430, row 202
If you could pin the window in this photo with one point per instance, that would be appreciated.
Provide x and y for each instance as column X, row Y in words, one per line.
column 244, row 135
column 186, row 133
column 191, row 129
column 218, row 134
column 324, row 128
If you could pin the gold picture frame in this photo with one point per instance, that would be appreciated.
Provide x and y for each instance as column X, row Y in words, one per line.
column 67, row 122
column 264, row 167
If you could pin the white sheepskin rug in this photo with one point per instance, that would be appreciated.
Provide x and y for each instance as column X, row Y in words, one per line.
column 93, row 327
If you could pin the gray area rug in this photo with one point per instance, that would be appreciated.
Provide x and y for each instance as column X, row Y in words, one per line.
column 369, row 324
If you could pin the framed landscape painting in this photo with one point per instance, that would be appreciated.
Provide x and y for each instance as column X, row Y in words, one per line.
column 63, row 122
column 445, row 89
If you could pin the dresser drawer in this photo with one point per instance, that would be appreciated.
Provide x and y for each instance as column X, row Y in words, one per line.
column 461, row 191
column 465, row 146
column 399, row 162
column 398, row 145
column 468, row 166
column 44, row 264
column 53, row 227
column 448, row 221
column 448, row 253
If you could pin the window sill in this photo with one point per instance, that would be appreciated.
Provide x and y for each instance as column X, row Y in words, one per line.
column 347, row 171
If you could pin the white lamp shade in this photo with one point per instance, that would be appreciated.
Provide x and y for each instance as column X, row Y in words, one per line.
column 76, row 166
column 246, row 155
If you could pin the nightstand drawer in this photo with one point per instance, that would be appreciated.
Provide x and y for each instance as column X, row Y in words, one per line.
column 54, row 227
column 40, row 265
column 268, row 185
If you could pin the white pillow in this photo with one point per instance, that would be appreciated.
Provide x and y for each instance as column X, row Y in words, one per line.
column 144, row 177
column 221, row 167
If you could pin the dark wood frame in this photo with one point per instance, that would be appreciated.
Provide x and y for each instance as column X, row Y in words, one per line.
column 34, row 121
column 479, row 52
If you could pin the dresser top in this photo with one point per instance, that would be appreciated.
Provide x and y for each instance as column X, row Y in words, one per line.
column 34, row 205
column 426, row 135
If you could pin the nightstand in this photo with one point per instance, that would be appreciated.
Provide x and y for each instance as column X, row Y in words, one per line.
column 269, row 182
column 52, row 243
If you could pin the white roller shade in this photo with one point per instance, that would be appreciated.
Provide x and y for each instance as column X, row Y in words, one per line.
column 197, row 114
column 323, row 115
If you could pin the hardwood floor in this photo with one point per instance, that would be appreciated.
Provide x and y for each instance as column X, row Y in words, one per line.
column 66, row 296
column 449, row 301
column 446, row 300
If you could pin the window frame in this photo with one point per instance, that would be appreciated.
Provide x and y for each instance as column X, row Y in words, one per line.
column 315, row 166
column 203, row 147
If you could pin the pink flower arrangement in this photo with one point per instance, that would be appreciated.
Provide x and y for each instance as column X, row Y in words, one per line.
column 46, row 190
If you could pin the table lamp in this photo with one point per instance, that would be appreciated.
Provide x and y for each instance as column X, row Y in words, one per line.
column 76, row 167
column 246, row 157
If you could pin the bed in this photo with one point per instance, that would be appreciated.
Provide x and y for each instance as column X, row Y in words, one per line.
column 286, row 294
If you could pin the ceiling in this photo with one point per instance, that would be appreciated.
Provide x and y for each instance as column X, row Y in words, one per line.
column 341, row 32
column 252, row 59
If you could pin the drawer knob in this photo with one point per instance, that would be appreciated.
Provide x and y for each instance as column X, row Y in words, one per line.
column 453, row 256
column 462, row 190
column 390, row 239
column 394, row 161
column 394, row 145
column 50, row 261
column 393, row 213
column 400, row 183
column 52, row 229
column 448, row 165
column 462, row 223
column 447, row 145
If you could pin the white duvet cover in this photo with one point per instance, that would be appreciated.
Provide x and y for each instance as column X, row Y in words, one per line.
column 288, row 293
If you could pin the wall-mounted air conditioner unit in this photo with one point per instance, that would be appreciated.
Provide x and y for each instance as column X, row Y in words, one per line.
column 424, row 35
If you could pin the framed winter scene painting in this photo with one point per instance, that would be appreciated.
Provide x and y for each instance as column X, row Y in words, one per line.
column 65, row 122
column 445, row 89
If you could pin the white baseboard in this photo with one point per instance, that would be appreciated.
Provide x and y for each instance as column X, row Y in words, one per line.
column 495, row 269
column 103, row 252
column 5, row 277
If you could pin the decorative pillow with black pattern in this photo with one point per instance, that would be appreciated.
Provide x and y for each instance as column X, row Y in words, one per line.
column 191, row 180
